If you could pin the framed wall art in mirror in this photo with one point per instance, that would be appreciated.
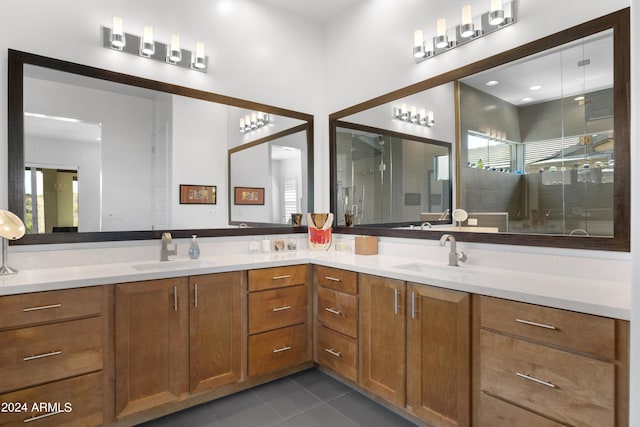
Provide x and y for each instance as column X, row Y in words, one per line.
column 540, row 136
column 100, row 155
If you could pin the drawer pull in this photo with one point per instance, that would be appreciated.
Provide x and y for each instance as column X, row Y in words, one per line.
column 42, row 307
column 286, row 307
column 539, row 325
column 280, row 350
column 333, row 279
column 39, row 417
column 40, row 356
column 333, row 352
column 286, row 276
column 333, row 311
column 535, row 380
column 396, row 301
column 195, row 295
column 175, row 298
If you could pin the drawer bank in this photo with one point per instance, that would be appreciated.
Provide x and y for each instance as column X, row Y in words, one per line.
column 118, row 352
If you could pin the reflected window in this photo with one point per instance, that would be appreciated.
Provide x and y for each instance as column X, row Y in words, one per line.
column 51, row 200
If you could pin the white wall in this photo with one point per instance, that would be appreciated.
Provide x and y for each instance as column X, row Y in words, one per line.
column 255, row 53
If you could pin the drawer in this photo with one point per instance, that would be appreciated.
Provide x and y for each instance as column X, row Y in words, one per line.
column 74, row 402
column 338, row 311
column 494, row 412
column 275, row 350
column 43, row 307
column 577, row 331
column 338, row 353
column 40, row 354
column 277, row 277
column 571, row 388
column 277, row 308
column 334, row 278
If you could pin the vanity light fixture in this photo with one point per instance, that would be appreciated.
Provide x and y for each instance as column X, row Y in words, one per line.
column 253, row 121
column 500, row 15
column 117, row 39
column 145, row 46
column 411, row 115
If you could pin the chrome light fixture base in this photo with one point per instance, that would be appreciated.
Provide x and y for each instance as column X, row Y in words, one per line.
column 480, row 27
column 160, row 51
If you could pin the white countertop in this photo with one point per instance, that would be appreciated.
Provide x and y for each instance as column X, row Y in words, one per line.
column 604, row 298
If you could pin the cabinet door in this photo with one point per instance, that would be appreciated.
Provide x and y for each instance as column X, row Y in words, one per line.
column 150, row 344
column 382, row 337
column 438, row 355
column 215, row 330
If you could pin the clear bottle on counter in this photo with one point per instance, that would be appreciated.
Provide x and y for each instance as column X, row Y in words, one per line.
column 194, row 249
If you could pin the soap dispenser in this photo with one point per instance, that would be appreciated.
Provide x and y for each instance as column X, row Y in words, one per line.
column 194, row 249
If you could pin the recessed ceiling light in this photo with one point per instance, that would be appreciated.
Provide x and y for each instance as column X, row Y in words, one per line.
column 579, row 98
column 535, row 87
column 492, row 83
column 527, row 99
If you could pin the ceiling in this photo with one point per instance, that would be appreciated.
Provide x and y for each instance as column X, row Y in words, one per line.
column 320, row 11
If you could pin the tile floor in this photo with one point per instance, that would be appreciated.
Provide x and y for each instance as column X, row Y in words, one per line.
column 306, row 399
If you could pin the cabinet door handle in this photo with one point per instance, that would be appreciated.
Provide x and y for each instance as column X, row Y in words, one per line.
column 286, row 307
column 539, row 325
column 195, row 295
column 279, row 350
column 413, row 305
column 175, row 298
column 39, row 417
column 42, row 307
column 535, row 380
column 41, row 356
column 333, row 279
column 285, row 276
column 333, row 311
column 333, row 352
column 396, row 301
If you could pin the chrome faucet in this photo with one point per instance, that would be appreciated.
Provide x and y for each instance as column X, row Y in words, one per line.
column 425, row 224
column 164, row 250
column 454, row 256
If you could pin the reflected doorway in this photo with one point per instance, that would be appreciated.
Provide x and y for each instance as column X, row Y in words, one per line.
column 51, row 199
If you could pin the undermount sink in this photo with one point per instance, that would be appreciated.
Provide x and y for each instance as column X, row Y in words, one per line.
column 444, row 272
column 170, row 265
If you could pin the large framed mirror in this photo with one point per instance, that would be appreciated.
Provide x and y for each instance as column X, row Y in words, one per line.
column 540, row 135
column 96, row 155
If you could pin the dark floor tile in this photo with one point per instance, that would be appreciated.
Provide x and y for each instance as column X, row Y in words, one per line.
column 286, row 397
column 320, row 416
column 320, row 384
column 243, row 410
column 198, row 416
column 367, row 413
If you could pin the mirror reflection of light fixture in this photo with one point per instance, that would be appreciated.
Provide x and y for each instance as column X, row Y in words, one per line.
column 253, row 121
column 11, row 228
column 145, row 46
column 499, row 16
column 118, row 40
column 411, row 115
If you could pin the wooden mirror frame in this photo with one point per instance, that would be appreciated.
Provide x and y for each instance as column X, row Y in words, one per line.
column 620, row 23
column 15, row 167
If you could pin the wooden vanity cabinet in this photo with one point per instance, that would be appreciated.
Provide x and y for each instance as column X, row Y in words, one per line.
column 382, row 337
column 553, row 366
column 279, row 319
column 175, row 337
column 56, row 357
column 151, row 344
column 336, row 347
column 439, row 355
column 216, row 338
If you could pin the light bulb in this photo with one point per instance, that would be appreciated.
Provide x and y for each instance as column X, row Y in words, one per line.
column 117, row 33
column 466, row 27
column 147, row 46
